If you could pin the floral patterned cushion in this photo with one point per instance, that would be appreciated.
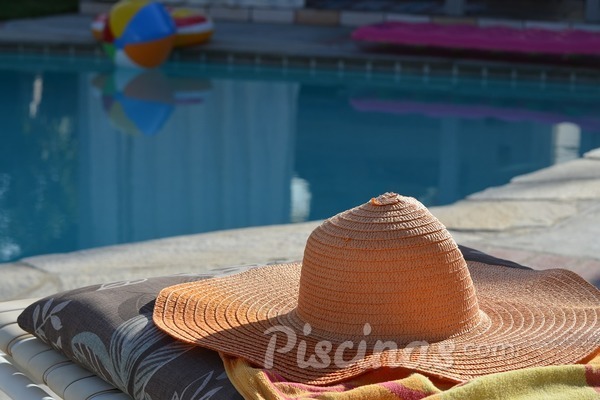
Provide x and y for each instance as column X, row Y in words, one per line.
column 108, row 329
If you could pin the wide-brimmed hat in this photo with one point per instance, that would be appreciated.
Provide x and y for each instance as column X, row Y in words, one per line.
column 384, row 285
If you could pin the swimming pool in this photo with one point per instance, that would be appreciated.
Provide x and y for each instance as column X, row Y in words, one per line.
column 93, row 157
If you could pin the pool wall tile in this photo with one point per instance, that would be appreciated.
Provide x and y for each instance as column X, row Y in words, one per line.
column 356, row 18
column 317, row 17
column 273, row 15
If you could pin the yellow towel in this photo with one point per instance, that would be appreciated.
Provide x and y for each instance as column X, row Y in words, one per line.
column 579, row 381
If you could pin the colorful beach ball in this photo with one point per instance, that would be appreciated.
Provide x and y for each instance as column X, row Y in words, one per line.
column 139, row 33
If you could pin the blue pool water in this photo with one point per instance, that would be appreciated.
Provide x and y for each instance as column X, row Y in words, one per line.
column 92, row 157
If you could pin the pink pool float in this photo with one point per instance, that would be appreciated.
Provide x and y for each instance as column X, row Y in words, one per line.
column 470, row 37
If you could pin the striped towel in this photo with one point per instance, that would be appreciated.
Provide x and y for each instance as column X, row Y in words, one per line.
column 578, row 381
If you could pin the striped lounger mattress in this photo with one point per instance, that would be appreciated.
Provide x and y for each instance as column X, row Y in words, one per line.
column 31, row 370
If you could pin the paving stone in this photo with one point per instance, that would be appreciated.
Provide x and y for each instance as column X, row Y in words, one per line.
column 579, row 169
column 593, row 154
column 550, row 190
column 470, row 239
column 229, row 14
column 355, row 18
column 549, row 261
column 490, row 22
column 574, row 180
column 93, row 8
column 318, row 17
column 72, row 29
column 204, row 253
column 19, row 281
column 273, row 16
column 577, row 237
column 407, row 18
column 590, row 270
column 193, row 253
column 555, row 26
column 587, row 268
column 501, row 216
column 443, row 20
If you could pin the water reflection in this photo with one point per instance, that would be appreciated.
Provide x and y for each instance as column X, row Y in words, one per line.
column 140, row 102
column 223, row 162
column 438, row 141
column 38, row 162
column 100, row 157
column 503, row 109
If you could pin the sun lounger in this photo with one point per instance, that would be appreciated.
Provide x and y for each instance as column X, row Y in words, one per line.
column 31, row 370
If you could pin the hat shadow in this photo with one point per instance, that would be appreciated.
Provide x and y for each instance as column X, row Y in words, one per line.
column 471, row 254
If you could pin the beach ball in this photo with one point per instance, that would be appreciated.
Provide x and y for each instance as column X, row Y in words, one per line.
column 139, row 33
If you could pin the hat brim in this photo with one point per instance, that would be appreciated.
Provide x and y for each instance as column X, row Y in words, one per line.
column 529, row 318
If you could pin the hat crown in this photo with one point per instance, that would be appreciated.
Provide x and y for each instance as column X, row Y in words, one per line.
column 389, row 263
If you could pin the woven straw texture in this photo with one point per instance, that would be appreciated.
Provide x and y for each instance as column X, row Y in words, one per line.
column 384, row 285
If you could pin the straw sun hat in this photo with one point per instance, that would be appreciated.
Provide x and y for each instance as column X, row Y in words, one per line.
column 385, row 285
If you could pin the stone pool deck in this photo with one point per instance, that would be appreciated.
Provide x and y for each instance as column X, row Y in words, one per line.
column 546, row 219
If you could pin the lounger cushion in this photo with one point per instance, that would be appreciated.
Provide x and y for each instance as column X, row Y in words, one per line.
column 108, row 329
